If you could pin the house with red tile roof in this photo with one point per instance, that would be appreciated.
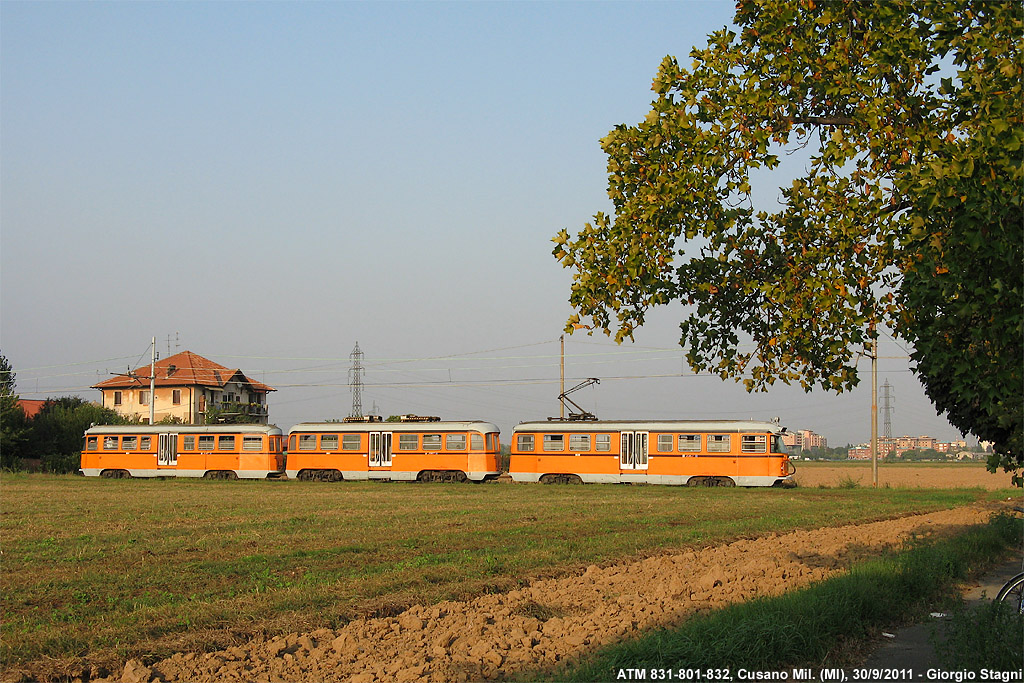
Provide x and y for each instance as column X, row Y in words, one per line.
column 30, row 406
column 189, row 388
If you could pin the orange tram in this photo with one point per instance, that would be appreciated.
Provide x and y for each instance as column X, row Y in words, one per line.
column 682, row 453
column 427, row 449
column 210, row 452
column 415, row 449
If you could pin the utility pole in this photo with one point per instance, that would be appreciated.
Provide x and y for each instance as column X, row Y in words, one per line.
column 355, row 380
column 152, row 384
column 561, row 384
column 874, row 412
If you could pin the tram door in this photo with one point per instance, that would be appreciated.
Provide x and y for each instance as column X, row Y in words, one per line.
column 633, row 450
column 380, row 449
column 167, row 450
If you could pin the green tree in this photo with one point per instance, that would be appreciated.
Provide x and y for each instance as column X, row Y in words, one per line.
column 906, row 215
column 55, row 433
column 13, row 423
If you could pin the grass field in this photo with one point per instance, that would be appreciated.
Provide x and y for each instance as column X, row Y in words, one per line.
column 98, row 570
column 901, row 474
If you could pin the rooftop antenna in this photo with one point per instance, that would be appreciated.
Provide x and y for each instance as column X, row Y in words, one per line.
column 355, row 380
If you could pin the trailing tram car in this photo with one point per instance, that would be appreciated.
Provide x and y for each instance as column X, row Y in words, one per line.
column 415, row 449
column 674, row 452
column 241, row 451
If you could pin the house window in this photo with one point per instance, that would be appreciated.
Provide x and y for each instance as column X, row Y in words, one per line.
column 206, row 442
column 665, row 443
column 753, row 443
column 554, row 442
column 524, row 443
column 603, row 442
column 189, row 442
column 117, row 398
column 144, row 397
column 176, row 397
column 329, row 442
column 579, row 442
column 307, row 442
column 110, row 443
column 476, row 442
column 431, row 442
column 455, row 442
column 350, row 442
column 408, row 442
column 719, row 443
column 130, row 443
column 689, row 443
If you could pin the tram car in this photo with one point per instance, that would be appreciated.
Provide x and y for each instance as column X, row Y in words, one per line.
column 677, row 452
column 211, row 452
column 415, row 449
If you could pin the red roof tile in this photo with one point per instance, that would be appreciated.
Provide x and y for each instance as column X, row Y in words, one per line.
column 31, row 407
column 182, row 369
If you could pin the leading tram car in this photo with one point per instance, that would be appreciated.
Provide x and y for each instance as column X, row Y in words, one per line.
column 423, row 449
column 211, row 452
column 693, row 453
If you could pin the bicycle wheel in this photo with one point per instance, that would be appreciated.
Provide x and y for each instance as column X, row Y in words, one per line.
column 1013, row 593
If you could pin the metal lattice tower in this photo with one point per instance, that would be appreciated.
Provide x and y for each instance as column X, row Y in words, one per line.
column 887, row 410
column 355, row 380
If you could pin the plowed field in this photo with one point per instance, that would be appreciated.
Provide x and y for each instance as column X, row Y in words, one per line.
column 495, row 636
column 901, row 475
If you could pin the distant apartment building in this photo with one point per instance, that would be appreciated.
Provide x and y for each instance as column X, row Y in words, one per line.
column 899, row 445
column 188, row 388
column 804, row 440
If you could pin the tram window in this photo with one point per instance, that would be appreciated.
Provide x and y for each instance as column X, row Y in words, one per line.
column 130, row 443
column 431, row 442
column 206, row 443
column 524, row 443
column 753, row 443
column 92, row 443
column 110, row 443
column 476, row 442
column 554, row 442
column 350, row 442
column 665, row 443
column 603, row 442
column 455, row 442
column 719, row 443
column 190, row 443
column 689, row 443
column 579, row 442
column 252, row 443
column 328, row 442
column 226, row 442
column 144, row 443
column 408, row 442
column 778, row 445
column 307, row 442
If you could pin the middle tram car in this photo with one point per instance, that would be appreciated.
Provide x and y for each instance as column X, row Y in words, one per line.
column 679, row 452
column 415, row 449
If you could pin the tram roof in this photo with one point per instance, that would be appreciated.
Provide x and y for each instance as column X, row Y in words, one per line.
column 272, row 430
column 435, row 426
column 648, row 426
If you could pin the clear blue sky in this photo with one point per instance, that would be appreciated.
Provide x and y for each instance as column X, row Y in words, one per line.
column 277, row 181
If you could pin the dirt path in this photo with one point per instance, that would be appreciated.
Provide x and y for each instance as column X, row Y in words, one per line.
column 551, row 620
